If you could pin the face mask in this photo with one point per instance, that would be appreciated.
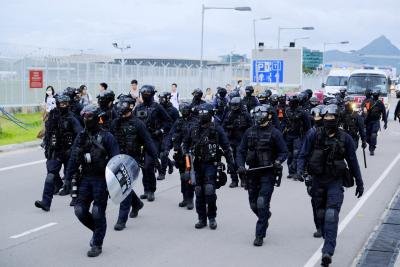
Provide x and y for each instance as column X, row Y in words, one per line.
column 248, row 93
column 330, row 126
column 49, row 93
column 90, row 124
column 63, row 110
column 146, row 98
column 376, row 97
column 318, row 123
column 222, row 95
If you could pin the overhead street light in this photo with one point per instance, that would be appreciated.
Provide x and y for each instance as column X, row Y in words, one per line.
column 122, row 49
column 203, row 9
column 308, row 28
column 328, row 43
column 254, row 36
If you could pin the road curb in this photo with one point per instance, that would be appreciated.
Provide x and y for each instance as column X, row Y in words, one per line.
column 13, row 147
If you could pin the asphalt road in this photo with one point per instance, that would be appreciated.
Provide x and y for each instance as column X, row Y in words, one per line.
column 164, row 234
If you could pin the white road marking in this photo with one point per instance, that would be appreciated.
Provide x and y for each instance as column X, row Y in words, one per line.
column 33, row 230
column 22, row 165
column 317, row 255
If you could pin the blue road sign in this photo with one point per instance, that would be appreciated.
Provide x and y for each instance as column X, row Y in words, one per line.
column 267, row 71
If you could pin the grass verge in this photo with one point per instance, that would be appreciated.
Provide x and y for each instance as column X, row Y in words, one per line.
column 11, row 133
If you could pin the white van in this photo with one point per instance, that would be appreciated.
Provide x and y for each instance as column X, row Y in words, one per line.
column 336, row 79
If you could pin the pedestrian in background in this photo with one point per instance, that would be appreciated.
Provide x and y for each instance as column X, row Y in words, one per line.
column 209, row 95
column 103, row 87
column 175, row 96
column 86, row 98
column 49, row 104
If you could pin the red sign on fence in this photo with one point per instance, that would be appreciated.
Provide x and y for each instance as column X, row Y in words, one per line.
column 35, row 78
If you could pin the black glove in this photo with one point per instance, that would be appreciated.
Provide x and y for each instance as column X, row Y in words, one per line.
column 277, row 165
column 364, row 144
column 385, row 126
column 231, row 168
column 164, row 154
column 309, row 190
column 66, row 189
column 359, row 191
column 186, row 176
column 241, row 170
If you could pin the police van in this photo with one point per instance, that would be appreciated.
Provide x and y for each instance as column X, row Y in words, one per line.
column 362, row 79
column 337, row 78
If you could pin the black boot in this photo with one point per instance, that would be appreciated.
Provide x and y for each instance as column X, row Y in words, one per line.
column 200, row 224
column 144, row 196
column 290, row 176
column 150, row 196
column 119, row 226
column 318, row 233
column 213, row 223
column 371, row 152
column 135, row 213
column 233, row 184
column 39, row 204
column 161, row 177
column 189, row 204
column 170, row 167
column 94, row 251
column 258, row 242
column 73, row 202
column 182, row 204
column 326, row 260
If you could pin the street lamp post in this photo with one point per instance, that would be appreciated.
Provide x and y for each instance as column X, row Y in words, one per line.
column 255, row 39
column 300, row 38
column 291, row 28
column 122, row 49
column 203, row 9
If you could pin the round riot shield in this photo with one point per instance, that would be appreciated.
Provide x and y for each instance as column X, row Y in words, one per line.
column 121, row 171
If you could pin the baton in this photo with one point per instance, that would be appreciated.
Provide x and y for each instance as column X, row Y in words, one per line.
column 260, row 168
column 365, row 160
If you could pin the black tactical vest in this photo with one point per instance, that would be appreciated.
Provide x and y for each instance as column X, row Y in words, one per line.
column 350, row 124
column 128, row 139
column 294, row 120
column 250, row 102
column 327, row 157
column 260, row 149
column 93, row 155
column 205, row 144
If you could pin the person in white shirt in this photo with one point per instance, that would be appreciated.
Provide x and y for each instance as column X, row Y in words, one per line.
column 86, row 98
column 49, row 99
column 134, row 92
column 174, row 96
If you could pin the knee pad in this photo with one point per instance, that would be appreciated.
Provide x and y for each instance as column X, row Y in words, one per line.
column 209, row 190
column 374, row 135
column 295, row 152
column 320, row 214
column 331, row 216
column 79, row 211
column 50, row 178
column 260, row 202
column 97, row 212
column 197, row 190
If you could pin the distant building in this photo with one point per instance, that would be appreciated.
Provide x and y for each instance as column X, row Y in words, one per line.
column 235, row 58
column 312, row 58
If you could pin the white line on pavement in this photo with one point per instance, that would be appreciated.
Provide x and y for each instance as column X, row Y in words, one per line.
column 33, row 230
column 22, row 165
column 317, row 255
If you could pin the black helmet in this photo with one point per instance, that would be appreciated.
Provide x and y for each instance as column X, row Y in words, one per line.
column 331, row 109
column 309, row 93
column 303, row 97
column 164, row 97
column 125, row 105
column 147, row 92
column 327, row 99
column 314, row 101
column 249, row 90
column 197, row 93
column 262, row 114
column 221, row 92
column 234, row 93
column 263, row 97
column 105, row 98
column 73, row 93
column 206, row 112
column 90, row 114
column 273, row 99
column 282, row 99
column 294, row 101
column 235, row 103
column 333, row 101
column 63, row 98
column 268, row 93
column 185, row 109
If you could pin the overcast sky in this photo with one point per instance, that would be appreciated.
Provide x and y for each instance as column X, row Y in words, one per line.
column 171, row 28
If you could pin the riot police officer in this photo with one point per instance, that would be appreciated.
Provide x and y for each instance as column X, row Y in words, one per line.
column 91, row 151
column 396, row 114
column 273, row 101
column 353, row 123
column 249, row 100
column 202, row 143
column 330, row 157
column 165, row 102
column 341, row 97
column 235, row 124
column 314, row 102
column 197, row 99
column 263, row 97
column 373, row 109
column 281, row 109
column 134, row 140
column 105, row 100
column 173, row 141
column 220, row 103
column 262, row 146
column 74, row 105
column 295, row 126
column 157, row 121
column 61, row 129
